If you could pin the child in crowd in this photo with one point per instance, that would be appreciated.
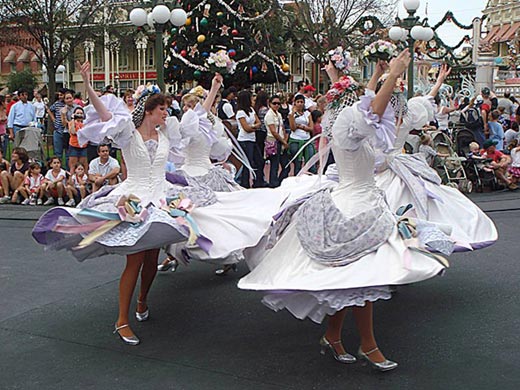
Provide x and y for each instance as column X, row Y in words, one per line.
column 77, row 152
column 514, row 168
column 77, row 185
column 427, row 150
column 33, row 187
column 496, row 131
column 56, row 182
column 474, row 154
column 317, row 116
column 4, row 167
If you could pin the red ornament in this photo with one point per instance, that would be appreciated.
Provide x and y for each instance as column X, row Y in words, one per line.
column 234, row 32
column 184, row 53
column 251, row 74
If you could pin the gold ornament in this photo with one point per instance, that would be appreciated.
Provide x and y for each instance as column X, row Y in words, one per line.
column 201, row 38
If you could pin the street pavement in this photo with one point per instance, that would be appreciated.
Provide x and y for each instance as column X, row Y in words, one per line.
column 458, row 331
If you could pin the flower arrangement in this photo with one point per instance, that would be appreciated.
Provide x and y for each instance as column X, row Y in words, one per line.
column 346, row 87
column 145, row 90
column 340, row 58
column 221, row 63
column 380, row 50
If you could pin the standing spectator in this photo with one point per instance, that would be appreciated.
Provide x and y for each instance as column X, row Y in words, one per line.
column 4, row 139
column 300, row 87
column 321, row 103
column 11, row 100
column 443, row 113
column 507, row 104
column 248, row 123
column 225, row 110
column 77, row 152
column 56, row 181
column 13, row 178
column 33, row 189
column 496, row 131
column 128, row 98
column 317, row 115
column 310, row 104
column 21, row 115
column 39, row 108
column 302, row 126
column 284, row 109
column 276, row 145
column 261, row 134
column 104, row 169
column 4, row 167
column 78, row 100
column 54, row 111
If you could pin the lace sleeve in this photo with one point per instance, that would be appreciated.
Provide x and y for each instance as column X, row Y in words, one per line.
column 358, row 123
column 118, row 129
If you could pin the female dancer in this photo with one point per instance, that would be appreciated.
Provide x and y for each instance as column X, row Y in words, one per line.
column 341, row 248
column 128, row 219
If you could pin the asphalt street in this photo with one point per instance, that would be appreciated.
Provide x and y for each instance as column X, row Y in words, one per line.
column 458, row 331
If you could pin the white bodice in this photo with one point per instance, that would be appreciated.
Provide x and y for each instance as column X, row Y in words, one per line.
column 196, row 157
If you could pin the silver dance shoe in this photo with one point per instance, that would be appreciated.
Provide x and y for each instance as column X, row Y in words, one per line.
column 326, row 345
column 132, row 340
column 172, row 263
column 141, row 317
column 387, row 365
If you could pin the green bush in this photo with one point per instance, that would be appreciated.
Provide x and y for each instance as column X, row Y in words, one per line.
column 24, row 79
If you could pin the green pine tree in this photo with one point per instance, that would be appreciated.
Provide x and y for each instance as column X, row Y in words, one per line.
column 244, row 28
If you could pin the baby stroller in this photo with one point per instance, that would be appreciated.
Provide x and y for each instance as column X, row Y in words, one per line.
column 412, row 144
column 479, row 176
column 30, row 138
column 450, row 169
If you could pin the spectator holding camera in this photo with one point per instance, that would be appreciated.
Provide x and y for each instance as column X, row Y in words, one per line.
column 77, row 152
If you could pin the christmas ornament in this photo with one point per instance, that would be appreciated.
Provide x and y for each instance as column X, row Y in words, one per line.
column 234, row 32
column 286, row 67
column 254, row 69
column 205, row 13
column 173, row 31
column 188, row 22
column 224, row 30
column 205, row 54
column 194, row 51
column 264, row 67
column 197, row 74
column 241, row 9
column 184, row 53
column 220, row 14
column 204, row 22
column 232, row 52
column 201, row 38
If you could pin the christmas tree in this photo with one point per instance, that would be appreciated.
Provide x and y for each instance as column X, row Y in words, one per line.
column 244, row 29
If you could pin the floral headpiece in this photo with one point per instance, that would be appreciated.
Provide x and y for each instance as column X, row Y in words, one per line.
column 199, row 92
column 340, row 58
column 221, row 63
column 342, row 92
column 380, row 50
column 142, row 94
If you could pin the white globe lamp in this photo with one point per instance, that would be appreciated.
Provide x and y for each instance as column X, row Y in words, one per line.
column 60, row 69
column 149, row 20
column 161, row 14
column 395, row 33
column 411, row 5
column 138, row 17
column 429, row 33
column 178, row 17
column 418, row 33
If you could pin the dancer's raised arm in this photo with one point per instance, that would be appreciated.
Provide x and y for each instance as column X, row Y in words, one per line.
column 443, row 73
column 397, row 66
column 94, row 99
column 215, row 86
column 381, row 68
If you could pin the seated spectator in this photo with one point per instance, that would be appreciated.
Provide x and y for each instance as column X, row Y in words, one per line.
column 56, row 180
column 511, row 134
column 13, row 179
column 33, row 189
column 514, row 169
column 475, row 155
column 4, row 167
column 427, row 150
column 104, row 169
column 78, row 185
column 500, row 163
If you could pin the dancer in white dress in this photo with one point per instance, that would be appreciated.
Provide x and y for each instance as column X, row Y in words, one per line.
column 136, row 217
column 342, row 247
column 407, row 178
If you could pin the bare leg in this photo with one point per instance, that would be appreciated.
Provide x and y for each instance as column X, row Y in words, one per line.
column 60, row 188
column 334, row 327
column 148, row 273
column 126, row 289
column 4, row 177
column 364, row 322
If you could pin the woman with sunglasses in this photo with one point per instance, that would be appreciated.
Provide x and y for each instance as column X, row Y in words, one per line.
column 276, row 145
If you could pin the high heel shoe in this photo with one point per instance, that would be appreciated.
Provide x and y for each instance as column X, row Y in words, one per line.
column 172, row 263
column 387, row 365
column 132, row 340
column 141, row 317
column 224, row 270
column 342, row 358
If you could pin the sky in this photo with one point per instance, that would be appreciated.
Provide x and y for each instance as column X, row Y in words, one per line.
column 464, row 10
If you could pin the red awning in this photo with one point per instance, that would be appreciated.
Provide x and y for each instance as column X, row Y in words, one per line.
column 491, row 34
column 512, row 31
column 499, row 36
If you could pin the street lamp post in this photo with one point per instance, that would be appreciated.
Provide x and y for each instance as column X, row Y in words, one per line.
column 411, row 29
column 158, row 18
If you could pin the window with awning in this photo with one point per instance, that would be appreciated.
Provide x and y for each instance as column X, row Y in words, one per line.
column 11, row 57
column 499, row 37
column 512, row 31
column 25, row 56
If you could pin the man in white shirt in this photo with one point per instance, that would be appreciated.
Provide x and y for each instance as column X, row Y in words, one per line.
column 103, row 169
column 310, row 104
column 225, row 109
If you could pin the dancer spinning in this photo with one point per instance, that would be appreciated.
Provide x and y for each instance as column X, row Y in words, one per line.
column 129, row 219
column 341, row 248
